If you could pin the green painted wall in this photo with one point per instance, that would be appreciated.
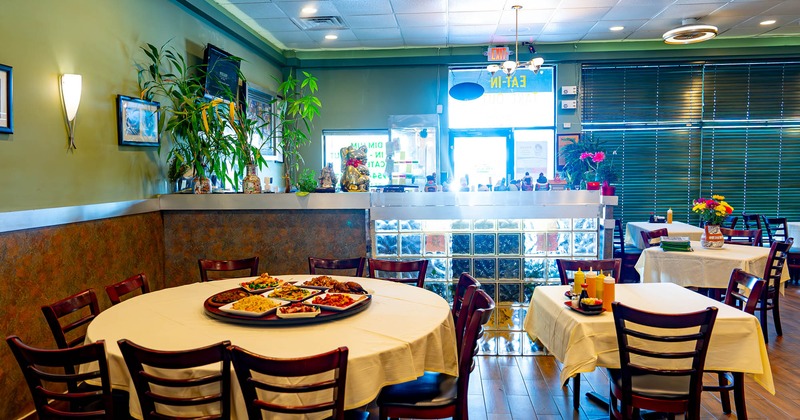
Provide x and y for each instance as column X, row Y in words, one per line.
column 100, row 40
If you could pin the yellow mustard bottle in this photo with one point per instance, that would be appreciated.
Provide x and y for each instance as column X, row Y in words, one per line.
column 598, row 289
column 669, row 215
column 609, row 291
column 579, row 280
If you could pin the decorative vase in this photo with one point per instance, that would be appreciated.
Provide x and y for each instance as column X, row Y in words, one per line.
column 712, row 237
column 251, row 184
column 288, row 183
column 608, row 189
column 202, row 185
column 592, row 185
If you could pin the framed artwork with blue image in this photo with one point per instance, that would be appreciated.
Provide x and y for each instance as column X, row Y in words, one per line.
column 137, row 122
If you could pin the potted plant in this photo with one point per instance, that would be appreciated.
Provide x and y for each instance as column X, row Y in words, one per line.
column 246, row 142
column 296, row 107
column 195, row 124
column 587, row 162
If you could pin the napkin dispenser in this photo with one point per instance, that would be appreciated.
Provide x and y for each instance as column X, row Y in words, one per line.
column 657, row 219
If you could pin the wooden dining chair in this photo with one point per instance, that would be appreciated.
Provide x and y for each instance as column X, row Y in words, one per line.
column 777, row 229
column 163, row 395
column 649, row 235
column 436, row 395
column 337, row 264
column 744, row 291
column 55, row 385
column 229, row 266
column 752, row 221
column 402, row 270
column 463, row 294
column 627, row 254
column 751, row 237
column 136, row 284
column 260, row 374
column 567, row 268
column 68, row 318
column 730, row 222
column 640, row 384
column 770, row 296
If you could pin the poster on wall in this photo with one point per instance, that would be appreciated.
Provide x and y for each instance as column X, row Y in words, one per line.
column 6, row 103
column 137, row 122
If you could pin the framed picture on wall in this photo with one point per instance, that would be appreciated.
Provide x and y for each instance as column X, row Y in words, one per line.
column 137, row 122
column 6, row 100
column 260, row 105
column 563, row 140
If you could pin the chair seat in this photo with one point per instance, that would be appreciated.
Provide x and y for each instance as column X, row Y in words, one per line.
column 431, row 389
column 655, row 386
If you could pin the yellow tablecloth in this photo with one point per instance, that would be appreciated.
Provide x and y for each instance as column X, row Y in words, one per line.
column 633, row 231
column 404, row 332
column 583, row 342
column 702, row 267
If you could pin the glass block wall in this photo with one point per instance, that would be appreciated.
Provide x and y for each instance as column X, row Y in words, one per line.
column 510, row 257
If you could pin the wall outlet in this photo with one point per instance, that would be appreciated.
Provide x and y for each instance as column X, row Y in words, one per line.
column 567, row 125
column 439, row 109
column 569, row 90
column 570, row 104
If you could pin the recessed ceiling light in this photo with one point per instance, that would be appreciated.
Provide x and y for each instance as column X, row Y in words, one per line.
column 309, row 9
column 616, row 28
column 331, row 36
column 767, row 22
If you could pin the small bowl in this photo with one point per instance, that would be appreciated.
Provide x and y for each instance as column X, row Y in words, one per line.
column 592, row 308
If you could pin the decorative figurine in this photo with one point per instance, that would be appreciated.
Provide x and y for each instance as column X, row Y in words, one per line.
column 527, row 182
column 558, row 184
column 541, row 183
column 327, row 179
column 464, row 183
column 355, row 174
column 430, row 186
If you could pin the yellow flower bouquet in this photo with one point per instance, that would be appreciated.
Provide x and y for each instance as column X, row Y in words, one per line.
column 712, row 211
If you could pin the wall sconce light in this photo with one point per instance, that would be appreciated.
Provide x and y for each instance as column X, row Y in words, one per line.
column 71, row 98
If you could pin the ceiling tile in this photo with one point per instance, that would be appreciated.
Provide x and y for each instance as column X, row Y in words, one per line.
column 386, row 33
column 419, row 6
column 561, row 37
column 586, row 14
column 635, row 11
column 373, row 21
column 485, row 30
column 466, row 40
column 629, row 25
column 426, row 41
column 261, row 10
column 294, row 9
column 686, row 11
column 567, row 28
column 277, row 25
column 575, row 4
column 645, row 34
column 475, row 6
column 364, row 7
column 410, row 20
column 605, row 36
column 744, row 31
column 746, row 8
column 474, row 18
column 424, row 32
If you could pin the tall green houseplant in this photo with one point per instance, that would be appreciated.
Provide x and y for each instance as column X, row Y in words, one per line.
column 296, row 107
column 195, row 124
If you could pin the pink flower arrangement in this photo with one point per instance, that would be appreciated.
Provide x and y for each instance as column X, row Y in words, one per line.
column 593, row 160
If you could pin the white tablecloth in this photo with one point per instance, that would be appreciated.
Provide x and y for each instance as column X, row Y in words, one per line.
column 405, row 331
column 793, row 231
column 633, row 231
column 583, row 342
column 702, row 267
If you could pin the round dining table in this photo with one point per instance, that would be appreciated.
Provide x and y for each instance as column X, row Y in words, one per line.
column 404, row 332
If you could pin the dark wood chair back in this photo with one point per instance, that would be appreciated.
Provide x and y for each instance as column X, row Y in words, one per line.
column 751, row 237
column 730, row 222
column 619, row 240
column 466, row 287
column 742, row 282
column 777, row 229
column 337, row 264
column 649, row 235
column 48, row 372
column 332, row 363
column 228, row 265
column 752, row 221
column 567, row 268
column 464, row 281
column 679, row 388
column 402, row 269
column 68, row 318
column 128, row 286
column 161, row 395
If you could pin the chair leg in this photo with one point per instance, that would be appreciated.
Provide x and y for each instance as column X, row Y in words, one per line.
column 724, row 395
column 738, row 395
column 776, row 314
column 576, row 392
column 764, row 324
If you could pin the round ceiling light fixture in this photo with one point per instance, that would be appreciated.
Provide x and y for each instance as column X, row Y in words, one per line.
column 690, row 33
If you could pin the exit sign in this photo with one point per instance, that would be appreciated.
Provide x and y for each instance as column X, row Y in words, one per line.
column 497, row 54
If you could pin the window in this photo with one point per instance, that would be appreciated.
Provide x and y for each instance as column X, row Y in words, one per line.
column 334, row 140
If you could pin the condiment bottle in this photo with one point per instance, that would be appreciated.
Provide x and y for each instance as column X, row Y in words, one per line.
column 669, row 216
column 609, row 290
column 598, row 289
column 580, row 279
column 584, row 295
column 591, row 283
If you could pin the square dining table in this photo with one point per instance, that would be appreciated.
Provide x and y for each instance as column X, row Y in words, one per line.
column 633, row 231
column 702, row 267
column 584, row 342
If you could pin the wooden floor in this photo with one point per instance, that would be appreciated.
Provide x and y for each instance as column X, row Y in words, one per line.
column 528, row 387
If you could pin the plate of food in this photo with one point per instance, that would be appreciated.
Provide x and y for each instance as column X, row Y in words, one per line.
column 298, row 310
column 291, row 293
column 253, row 306
column 319, row 282
column 337, row 301
column 227, row 297
column 335, row 286
column 262, row 284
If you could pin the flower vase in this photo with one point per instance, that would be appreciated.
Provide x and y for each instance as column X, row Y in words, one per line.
column 607, row 189
column 712, row 237
column 592, row 185
column 251, row 184
column 202, row 185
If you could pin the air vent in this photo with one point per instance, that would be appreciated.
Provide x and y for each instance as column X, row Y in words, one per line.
column 319, row 23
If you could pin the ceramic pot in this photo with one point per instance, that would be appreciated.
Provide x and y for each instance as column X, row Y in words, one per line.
column 592, row 185
column 251, row 184
column 608, row 189
column 712, row 237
